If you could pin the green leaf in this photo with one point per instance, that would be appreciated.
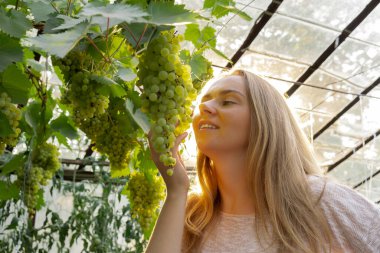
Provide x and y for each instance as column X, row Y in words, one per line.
column 126, row 75
column 33, row 115
column 40, row 200
column 61, row 43
column 16, row 84
column 138, row 116
column 166, row 13
column 63, row 125
column 109, row 87
column 199, row 66
column 117, row 12
column 16, row 163
column 201, row 39
column 8, row 191
column 14, row 223
column 240, row 13
column 62, row 140
column 14, row 23
column 68, row 22
column 5, row 127
column 10, row 51
column 137, row 29
column 41, row 10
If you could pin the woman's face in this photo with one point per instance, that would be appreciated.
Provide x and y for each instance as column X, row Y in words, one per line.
column 222, row 122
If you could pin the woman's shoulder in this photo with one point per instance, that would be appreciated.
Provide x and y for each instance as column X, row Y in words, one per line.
column 351, row 215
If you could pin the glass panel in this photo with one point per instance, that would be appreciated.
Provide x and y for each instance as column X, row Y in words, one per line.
column 334, row 14
column 358, row 62
column 369, row 30
column 292, row 39
column 361, row 165
column 272, row 67
column 323, row 104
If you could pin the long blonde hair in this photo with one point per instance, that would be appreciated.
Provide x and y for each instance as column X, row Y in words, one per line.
column 280, row 158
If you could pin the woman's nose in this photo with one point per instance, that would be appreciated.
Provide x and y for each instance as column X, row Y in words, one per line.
column 207, row 108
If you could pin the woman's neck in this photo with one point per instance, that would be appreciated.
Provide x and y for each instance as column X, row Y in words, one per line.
column 235, row 193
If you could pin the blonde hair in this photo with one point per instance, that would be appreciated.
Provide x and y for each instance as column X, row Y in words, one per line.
column 280, row 158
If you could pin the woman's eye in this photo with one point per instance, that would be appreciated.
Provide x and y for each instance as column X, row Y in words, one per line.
column 227, row 102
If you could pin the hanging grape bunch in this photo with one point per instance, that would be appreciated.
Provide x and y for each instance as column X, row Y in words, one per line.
column 145, row 195
column 44, row 165
column 81, row 92
column 13, row 115
column 168, row 93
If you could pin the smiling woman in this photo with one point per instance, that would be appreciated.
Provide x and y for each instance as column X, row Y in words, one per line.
column 262, row 190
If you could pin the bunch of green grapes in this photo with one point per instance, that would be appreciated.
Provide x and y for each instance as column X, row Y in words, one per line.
column 44, row 165
column 168, row 93
column 13, row 114
column 144, row 195
column 81, row 93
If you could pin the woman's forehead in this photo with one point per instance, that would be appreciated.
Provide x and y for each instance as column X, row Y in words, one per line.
column 230, row 82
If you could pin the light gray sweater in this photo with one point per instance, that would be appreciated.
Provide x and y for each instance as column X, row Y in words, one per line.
column 354, row 221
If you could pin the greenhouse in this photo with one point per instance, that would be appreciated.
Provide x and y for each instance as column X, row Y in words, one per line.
column 96, row 95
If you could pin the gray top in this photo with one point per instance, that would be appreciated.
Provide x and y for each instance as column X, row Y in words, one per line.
column 354, row 221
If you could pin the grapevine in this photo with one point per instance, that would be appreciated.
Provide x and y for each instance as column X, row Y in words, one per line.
column 168, row 93
column 145, row 195
column 13, row 115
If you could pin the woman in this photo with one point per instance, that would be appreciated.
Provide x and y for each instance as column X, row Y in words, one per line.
column 262, row 190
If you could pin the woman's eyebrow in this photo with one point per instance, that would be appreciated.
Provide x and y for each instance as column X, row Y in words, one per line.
column 223, row 92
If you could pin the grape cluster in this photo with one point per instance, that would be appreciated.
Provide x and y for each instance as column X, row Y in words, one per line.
column 145, row 195
column 81, row 93
column 13, row 114
column 44, row 164
column 167, row 94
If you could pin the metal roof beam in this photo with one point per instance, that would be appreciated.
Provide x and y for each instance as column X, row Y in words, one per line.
column 367, row 179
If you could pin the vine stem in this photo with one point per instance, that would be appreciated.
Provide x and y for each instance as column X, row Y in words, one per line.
column 97, row 49
column 142, row 34
column 108, row 26
column 129, row 30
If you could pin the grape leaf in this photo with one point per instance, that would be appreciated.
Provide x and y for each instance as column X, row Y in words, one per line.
column 117, row 12
column 33, row 115
column 201, row 39
column 16, row 84
column 126, row 75
column 10, row 51
column 165, row 13
column 198, row 65
column 109, row 87
column 138, row 116
column 63, row 125
column 61, row 43
column 14, row 164
column 221, row 8
column 8, row 190
column 68, row 22
column 41, row 10
column 15, row 23
column 5, row 127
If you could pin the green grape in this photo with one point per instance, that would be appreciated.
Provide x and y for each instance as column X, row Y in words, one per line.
column 145, row 195
column 175, row 92
column 13, row 115
column 44, row 165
